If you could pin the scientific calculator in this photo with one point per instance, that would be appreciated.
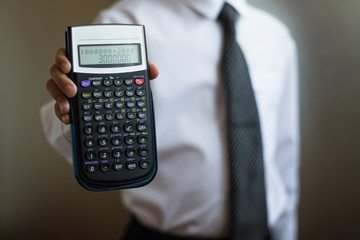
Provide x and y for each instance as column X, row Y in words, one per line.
column 112, row 116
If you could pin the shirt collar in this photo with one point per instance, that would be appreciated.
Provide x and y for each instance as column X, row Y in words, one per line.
column 212, row 8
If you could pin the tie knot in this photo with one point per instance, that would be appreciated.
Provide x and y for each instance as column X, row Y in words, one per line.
column 228, row 16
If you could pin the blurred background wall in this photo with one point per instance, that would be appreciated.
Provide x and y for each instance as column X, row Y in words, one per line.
column 39, row 196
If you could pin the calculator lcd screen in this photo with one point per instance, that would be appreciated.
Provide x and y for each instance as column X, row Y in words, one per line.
column 110, row 55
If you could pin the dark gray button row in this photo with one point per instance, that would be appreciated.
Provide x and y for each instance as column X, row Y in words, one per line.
column 116, row 141
column 130, row 152
column 117, row 166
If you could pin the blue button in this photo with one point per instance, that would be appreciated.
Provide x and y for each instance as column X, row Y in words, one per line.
column 85, row 83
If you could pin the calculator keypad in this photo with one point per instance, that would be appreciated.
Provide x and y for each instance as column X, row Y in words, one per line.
column 115, row 126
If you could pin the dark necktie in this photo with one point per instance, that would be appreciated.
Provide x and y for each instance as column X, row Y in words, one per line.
column 248, row 202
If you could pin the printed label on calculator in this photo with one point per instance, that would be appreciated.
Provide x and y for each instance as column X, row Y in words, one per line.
column 113, row 126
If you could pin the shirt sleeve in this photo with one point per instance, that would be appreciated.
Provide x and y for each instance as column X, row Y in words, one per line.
column 288, row 148
column 57, row 133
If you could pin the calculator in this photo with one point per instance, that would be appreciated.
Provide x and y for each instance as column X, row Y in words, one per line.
column 112, row 115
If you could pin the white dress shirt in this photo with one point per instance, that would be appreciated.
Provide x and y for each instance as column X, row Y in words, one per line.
column 189, row 195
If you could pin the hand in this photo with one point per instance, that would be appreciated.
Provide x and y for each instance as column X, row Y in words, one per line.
column 61, row 87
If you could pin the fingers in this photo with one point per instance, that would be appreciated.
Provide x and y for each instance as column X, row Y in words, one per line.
column 62, row 106
column 59, row 96
column 62, row 62
column 58, row 73
column 153, row 69
column 63, row 82
column 60, row 86
column 65, row 118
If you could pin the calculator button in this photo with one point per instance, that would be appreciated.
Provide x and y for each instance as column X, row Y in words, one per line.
column 102, row 129
column 110, row 116
column 87, row 118
column 131, row 165
column 103, row 142
column 107, row 82
column 140, row 92
column 116, row 141
column 109, row 105
column 141, row 127
column 85, row 83
column 131, row 115
column 116, row 153
column 99, row 117
column 120, row 116
column 129, row 93
column 129, row 81
column 115, row 128
column 142, row 139
column 89, row 143
column 86, row 95
column 143, row 152
column 91, row 168
column 130, row 153
column 104, row 155
column 118, row 82
column 105, row 167
column 98, row 106
column 129, row 140
column 130, row 104
column 96, row 83
column 119, row 93
column 144, row 164
column 97, row 94
column 86, row 106
column 139, row 81
column 141, row 104
column 141, row 115
column 128, row 127
column 90, row 156
column 119, row 104
column 88, row 130
column 108, row 94
column 118, row 166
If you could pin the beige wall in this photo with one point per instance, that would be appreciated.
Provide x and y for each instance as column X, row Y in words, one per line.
column 41, row 200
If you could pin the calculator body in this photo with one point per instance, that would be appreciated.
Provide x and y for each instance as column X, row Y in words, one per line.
column 112, row 116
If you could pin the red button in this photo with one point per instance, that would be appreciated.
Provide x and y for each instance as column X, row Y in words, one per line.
column 139, row 81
